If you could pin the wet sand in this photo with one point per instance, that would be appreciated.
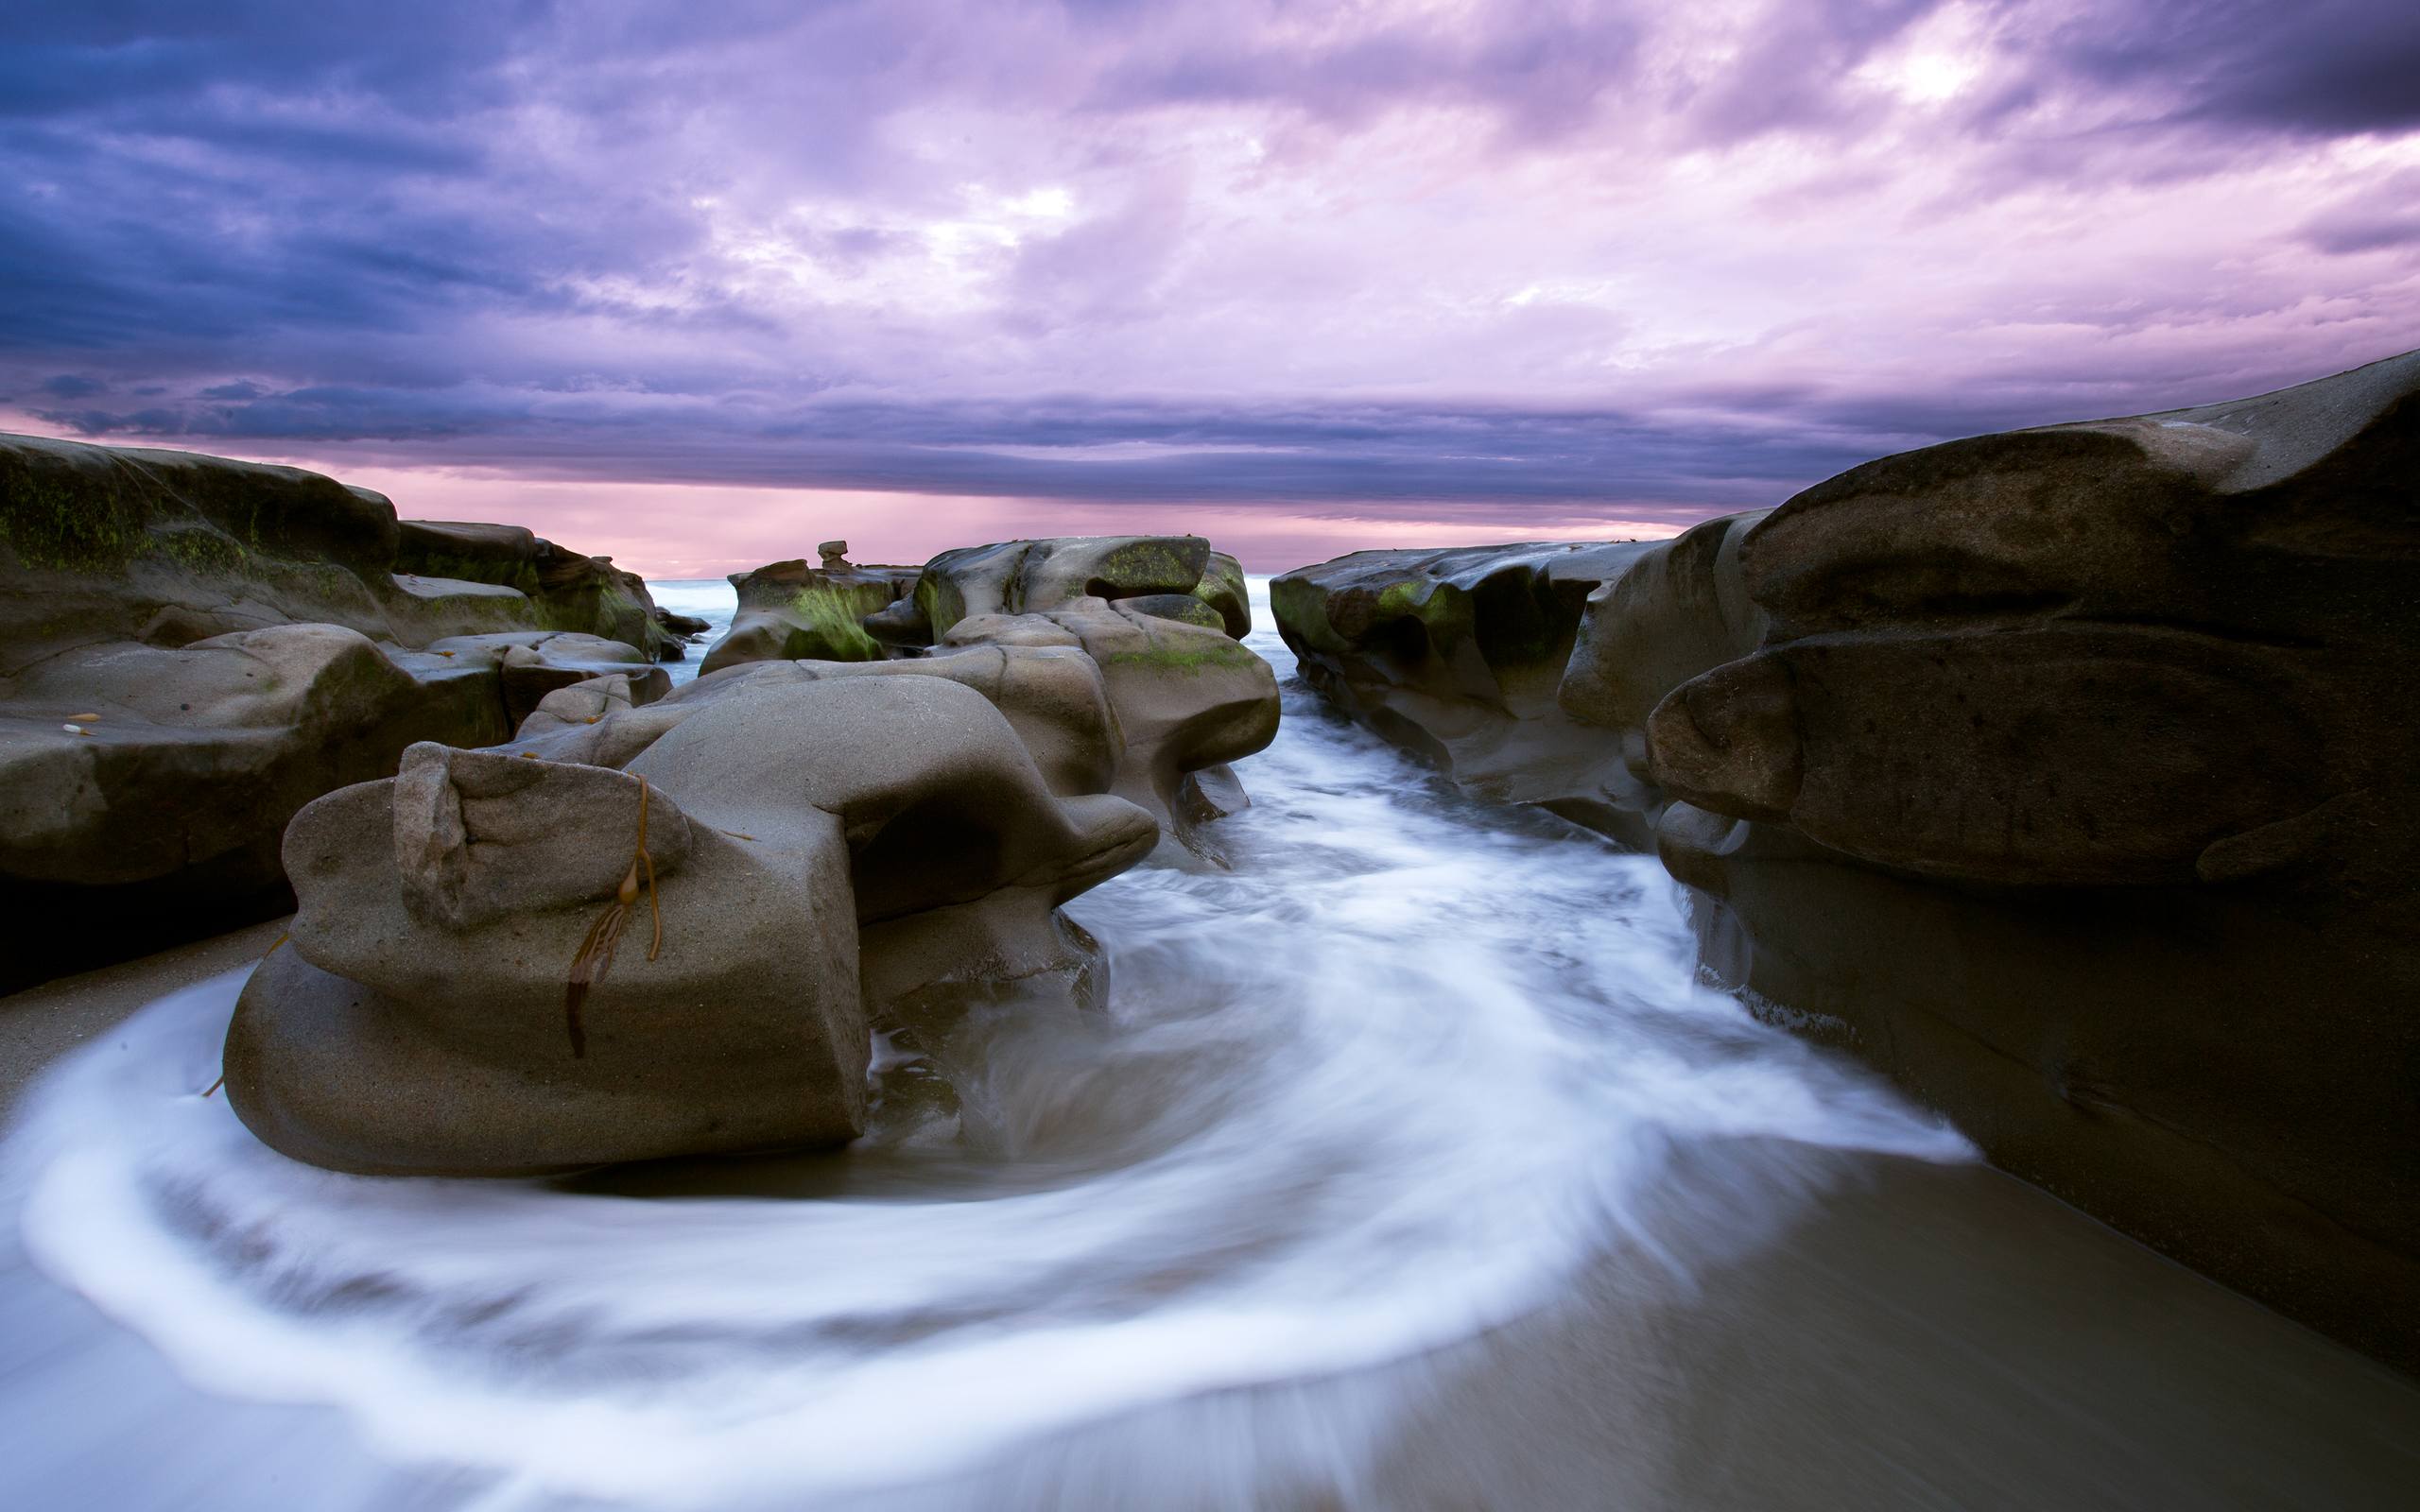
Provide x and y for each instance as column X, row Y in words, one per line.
column 43, row 1023
column 1920, row 1336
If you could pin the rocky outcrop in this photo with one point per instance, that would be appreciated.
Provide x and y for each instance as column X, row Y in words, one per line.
column 1466, row 657
column 1032, row 576
column 2062, row 774
column 829, row 847
column 560, row 588
column 791, row 611
column 1149, row 625
column 2071, row 784
column 192, row 647
column 1053, row 696
column 504, row 965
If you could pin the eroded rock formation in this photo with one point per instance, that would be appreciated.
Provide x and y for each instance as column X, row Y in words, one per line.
column 2067, row 776
column 2073, row 784
column 192, row 647
column 791, row 612
column 1144, row 628
column 499, row 968
column 506, row 965
column 559, row 589
column 1526, row 672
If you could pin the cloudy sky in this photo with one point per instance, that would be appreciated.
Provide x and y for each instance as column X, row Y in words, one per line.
column 702, row 285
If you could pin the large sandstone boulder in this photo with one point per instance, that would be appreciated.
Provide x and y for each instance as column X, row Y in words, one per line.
column 1154, row 621
column 1052, row 697
column 143, row 788
column 2074, row 785
column 529, row 664
column 243, row 638
column 768, row 874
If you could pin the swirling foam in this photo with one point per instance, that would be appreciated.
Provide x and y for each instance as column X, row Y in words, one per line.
column 1389, row 1082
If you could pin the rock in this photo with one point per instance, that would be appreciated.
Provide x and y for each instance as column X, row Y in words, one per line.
column 1461, row 655
column 1188, row 699
column 98, row 544
column 577, row 707
column 1223, row 587
column 531, row 665
column 682, row 625
column 1183, row 607
column 2062, row 774
column 1053, row 696
column 2067, row 788
column 1029, row 577
column 791, row 611
column 781, row 824
column 114, row 562
column 565, row 590
column 833, row 554
column 160, row 818
column 1156, row 617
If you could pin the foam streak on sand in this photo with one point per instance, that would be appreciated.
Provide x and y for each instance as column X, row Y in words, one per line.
column 1391, row 1081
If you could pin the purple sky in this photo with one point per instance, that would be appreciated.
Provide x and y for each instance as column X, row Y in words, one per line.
column 702, row 285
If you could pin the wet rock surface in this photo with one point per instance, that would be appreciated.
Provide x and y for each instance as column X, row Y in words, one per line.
column 2062, row 774
column 192, row 647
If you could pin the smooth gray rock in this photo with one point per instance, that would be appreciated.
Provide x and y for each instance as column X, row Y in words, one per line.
column 425, row 1022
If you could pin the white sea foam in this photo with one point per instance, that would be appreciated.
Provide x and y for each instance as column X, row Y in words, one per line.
column 712, row 599
column 1389, row 1082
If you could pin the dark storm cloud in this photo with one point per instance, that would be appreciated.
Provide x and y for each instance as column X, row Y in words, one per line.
column 1064, row 447
column 2322, row 67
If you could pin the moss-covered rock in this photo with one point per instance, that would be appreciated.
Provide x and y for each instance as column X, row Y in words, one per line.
column 791, row 612
column 1158, row 618
column 565, row 590
column 1223, row 587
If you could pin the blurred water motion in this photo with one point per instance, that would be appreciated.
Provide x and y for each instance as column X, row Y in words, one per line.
column 1408, row 1167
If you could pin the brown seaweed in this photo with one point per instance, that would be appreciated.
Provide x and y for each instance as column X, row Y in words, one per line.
column 597, row 950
